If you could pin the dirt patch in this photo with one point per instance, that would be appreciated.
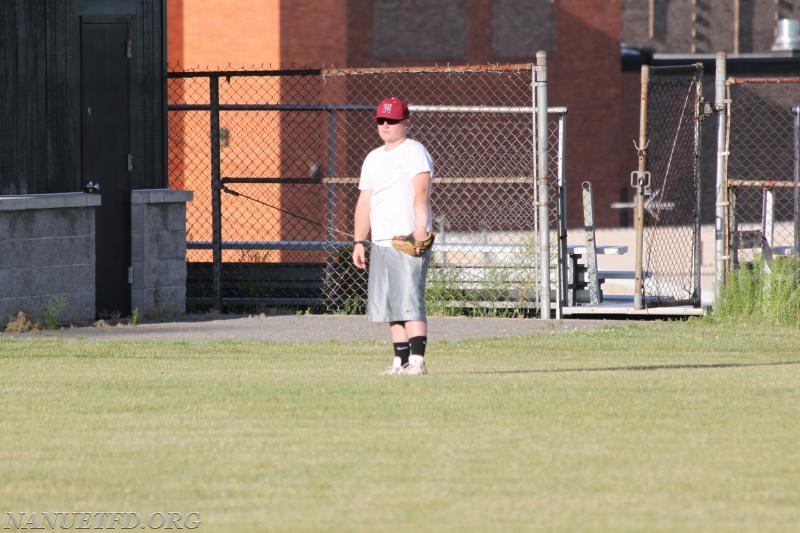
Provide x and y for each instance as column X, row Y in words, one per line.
column 313, row 328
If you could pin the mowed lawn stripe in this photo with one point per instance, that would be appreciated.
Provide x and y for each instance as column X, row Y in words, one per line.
column 657, row 427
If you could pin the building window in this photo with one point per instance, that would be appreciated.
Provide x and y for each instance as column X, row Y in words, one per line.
column 520, row 29
column 420, row 30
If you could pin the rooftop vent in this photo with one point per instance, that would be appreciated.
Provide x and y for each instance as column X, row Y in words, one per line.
column 787, row 36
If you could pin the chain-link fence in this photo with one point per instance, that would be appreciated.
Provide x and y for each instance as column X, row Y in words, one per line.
column 762, row 168
column 671, row 255
column 274, row 158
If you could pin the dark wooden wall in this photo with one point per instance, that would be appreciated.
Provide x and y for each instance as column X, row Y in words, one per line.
column 40, row 129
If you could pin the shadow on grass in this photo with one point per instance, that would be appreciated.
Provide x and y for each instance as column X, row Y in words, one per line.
column 641, row 368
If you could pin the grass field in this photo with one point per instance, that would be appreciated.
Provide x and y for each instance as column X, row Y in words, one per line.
column 652, row 427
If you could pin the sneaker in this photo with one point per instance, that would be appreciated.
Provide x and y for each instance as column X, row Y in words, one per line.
column 393, row 371
column 414, row 369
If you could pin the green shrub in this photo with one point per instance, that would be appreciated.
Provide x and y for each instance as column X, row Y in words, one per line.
column 51, row 319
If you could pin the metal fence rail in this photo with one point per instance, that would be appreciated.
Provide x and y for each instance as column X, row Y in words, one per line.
column 274, row 158
column 671, row 206
column 762, row 168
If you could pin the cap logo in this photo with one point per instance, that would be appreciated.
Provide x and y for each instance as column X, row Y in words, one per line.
column 387, row 108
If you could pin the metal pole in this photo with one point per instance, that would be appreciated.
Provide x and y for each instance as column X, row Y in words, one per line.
column 732, row 226
column 562, row 215
column 697, row 245
column 543, row 193
column 216, row 200
column 331, row 197
column 592, row 282
column 722, row 157
column 693, row 31
column 768, row 219
column 641, row 184
column 796, row 113
column 737, row 8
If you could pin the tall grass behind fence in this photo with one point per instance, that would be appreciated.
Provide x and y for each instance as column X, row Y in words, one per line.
column 762, row 292
column 275, row 180
column 671, row 252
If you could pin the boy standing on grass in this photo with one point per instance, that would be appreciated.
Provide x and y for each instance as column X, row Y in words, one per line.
column 394, row 200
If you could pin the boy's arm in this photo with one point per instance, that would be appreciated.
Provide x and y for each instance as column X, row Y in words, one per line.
column 361, row 228
column 421, row 183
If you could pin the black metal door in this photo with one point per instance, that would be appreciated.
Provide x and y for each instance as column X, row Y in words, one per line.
column 105, row 82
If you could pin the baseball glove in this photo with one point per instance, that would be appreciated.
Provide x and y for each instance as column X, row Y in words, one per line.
column 409, row 245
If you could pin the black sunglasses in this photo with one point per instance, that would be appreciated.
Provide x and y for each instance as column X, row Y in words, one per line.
column 389, row 121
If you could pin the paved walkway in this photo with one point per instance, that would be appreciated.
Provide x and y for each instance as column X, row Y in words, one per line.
column 311, row 328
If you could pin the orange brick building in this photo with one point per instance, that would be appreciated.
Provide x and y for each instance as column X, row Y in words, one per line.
column 582, row 38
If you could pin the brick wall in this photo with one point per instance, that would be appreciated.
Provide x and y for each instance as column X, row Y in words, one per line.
column 313, row 34
column 223, row 34
column 586, row 78
column 582, row 37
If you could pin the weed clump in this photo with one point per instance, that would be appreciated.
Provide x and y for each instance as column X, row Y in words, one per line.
column 20, row 323
column 763, row 291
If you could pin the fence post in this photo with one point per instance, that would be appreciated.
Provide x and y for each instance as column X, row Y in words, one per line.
column 562, row 216
column 732, row 230
column 216, row 200
column 697, row 245
column 543, row 192
column 592, row 282
column 720, row 203
column 796, row 120
column 642, row 184
column 330, row 219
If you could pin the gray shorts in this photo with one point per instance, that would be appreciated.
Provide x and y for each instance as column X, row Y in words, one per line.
column 396, row 285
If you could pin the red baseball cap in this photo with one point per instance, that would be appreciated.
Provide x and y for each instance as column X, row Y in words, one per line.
column 393, row 108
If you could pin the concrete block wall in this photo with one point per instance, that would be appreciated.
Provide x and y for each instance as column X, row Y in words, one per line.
column 47, row 251
column 158, row 251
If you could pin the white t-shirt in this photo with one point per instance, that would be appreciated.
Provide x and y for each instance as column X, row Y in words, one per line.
column 388, row 175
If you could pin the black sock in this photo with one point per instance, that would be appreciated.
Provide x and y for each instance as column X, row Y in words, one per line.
column 417, row 345
column 401, row 350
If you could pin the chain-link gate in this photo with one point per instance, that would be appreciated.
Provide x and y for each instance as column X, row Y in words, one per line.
column 274, row 157
column 670, row 247
column 761, row 177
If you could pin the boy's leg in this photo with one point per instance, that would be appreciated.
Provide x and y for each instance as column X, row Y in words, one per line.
column 416, row 328
column 397, row 330
column 417, row 332
column 401, row 348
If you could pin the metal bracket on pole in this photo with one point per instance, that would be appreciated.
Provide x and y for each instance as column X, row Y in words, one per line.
column 706, row 108
column 641, row 180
